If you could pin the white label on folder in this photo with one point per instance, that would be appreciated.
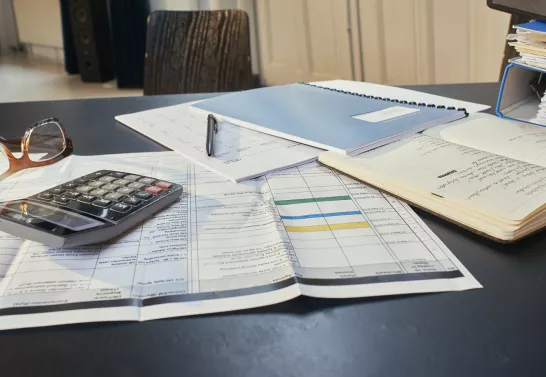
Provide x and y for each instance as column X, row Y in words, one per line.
column 386, row 114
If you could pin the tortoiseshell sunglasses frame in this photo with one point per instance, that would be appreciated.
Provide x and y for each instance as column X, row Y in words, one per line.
column 24, row 162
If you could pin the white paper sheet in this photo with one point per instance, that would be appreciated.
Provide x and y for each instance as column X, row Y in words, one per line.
column 401, row 94
column 222, row 247
column 239, row 153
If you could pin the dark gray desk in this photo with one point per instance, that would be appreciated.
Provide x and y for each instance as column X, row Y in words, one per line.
column 496, row 331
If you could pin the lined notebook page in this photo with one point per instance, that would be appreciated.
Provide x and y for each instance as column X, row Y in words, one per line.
column 493, row 184
column 521, row 141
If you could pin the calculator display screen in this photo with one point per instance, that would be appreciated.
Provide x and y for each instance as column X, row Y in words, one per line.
column 52, row 214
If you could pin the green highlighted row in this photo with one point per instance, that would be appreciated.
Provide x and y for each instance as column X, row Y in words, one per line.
column 311, row 200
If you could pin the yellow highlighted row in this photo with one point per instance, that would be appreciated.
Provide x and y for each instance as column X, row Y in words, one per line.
column 323, row 228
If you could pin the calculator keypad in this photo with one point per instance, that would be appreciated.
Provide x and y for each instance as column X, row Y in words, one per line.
column 148, row 181
column 70, row 185
column 153, row 190
column 102, row 202
column 115, row 196
column 45, row 196
column 107, row 179
column 121, row 207
column 99, row 192
column 121, row 182
column 84, row 189
column 110, row 187
column 143, row 195
column 125, row 190
column 132, row 200
column 61, row 200
column 72, row 195
column 117, row 174
column 96, row 184
column 86, row 198
column 57, row 191
column 136, row 185
column 107, row 194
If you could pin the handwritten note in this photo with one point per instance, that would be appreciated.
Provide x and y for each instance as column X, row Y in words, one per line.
column 520, row 141
column 492, row 184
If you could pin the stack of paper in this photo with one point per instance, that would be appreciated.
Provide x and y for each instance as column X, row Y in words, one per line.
column 530, row 42
column 541, row 114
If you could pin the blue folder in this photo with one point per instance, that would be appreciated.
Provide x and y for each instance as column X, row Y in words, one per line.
column 325, row 118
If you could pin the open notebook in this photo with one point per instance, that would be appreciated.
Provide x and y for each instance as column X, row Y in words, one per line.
column 484, row 173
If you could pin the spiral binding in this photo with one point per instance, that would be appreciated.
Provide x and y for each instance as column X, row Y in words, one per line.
column 390, row 99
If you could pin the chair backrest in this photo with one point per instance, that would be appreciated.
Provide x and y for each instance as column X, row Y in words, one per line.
column 197, row 52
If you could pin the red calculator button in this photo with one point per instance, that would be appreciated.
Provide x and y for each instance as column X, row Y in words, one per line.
column 153, row 190
column 164, row 185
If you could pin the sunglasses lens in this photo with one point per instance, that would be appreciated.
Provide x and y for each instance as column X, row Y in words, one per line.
column 46, row 142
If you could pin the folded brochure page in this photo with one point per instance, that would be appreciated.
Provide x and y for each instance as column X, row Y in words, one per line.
column 222, row 246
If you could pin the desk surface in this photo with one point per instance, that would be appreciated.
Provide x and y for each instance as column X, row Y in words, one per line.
column 495, row 331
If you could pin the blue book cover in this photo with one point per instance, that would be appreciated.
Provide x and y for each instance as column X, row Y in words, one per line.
column 325, row 118
column 536, row 26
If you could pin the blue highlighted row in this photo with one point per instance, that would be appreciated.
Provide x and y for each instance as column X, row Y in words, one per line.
column 314, row 215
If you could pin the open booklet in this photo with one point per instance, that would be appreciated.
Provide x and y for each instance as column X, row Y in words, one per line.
column 223, row 246
column 485, row 173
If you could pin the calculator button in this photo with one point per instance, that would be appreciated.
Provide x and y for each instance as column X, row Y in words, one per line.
column 72, row 194
column 143, row 195
column 117, row 174
column 148, row 181
column 81, row 181
column 70, row 185
column 120, row 207
column 110, row 187
column 164, row 185
column 136, row 185
column 84, row 189
column 114, row 196
column 125, row 190
column 102, row 203
column 132, row 177
column 132, row 200
column 96, row 184
column 121, row 182
column 45, row 196
column 86, row 198
column 61, row 199
column 96, row 174
column 107, row 179
column 153, row 190
column 57, row 191
column 99, row 192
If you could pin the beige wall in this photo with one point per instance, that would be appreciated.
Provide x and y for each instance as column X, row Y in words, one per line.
column 395, row 42
column 431, row 41
column 39, row 22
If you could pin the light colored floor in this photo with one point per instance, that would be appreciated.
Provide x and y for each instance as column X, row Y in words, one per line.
column 23, row 78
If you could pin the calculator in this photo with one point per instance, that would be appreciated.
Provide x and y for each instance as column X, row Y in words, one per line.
column 93, row 208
